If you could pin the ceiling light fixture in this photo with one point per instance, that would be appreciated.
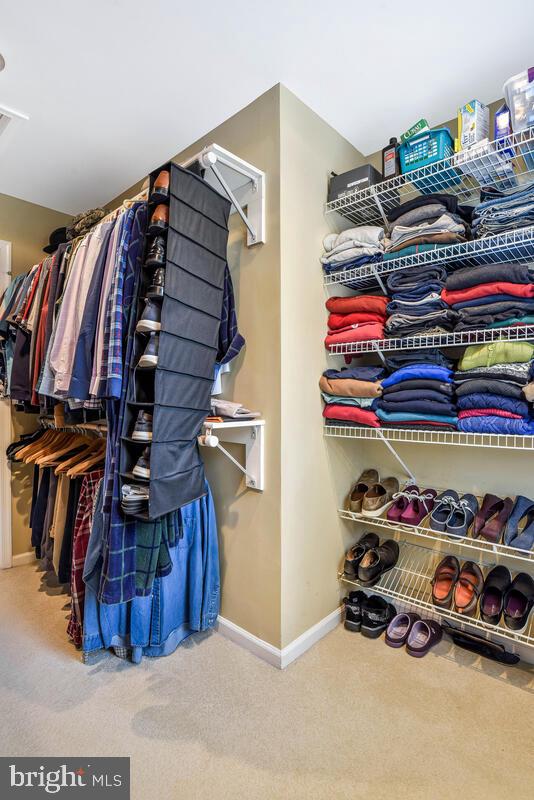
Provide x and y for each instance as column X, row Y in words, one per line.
column 2, row 62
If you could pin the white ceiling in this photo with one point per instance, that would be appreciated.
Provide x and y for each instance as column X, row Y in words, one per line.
column 115, row 87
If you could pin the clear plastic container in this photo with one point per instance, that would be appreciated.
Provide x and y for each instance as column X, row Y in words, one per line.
column 519, row 95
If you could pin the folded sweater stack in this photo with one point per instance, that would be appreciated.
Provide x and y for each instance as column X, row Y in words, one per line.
column 491, row 296
column 431, row 220
column 501, row 211
column 351, row 394
column 355, row 319
column 419, row 395
column 416, row 305
column 491, row 381
column 352, row 248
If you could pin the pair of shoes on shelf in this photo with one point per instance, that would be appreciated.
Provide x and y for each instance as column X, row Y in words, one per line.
column 367, row 615
column 156, row 256
column 519, row 531
column 457, row 587
column 453, row 514
column 134, row 498
column 491, row 519
column 370, row 496
column 368, row 560
column 507, row 598
column 464, row 588
column 159, row 220
column 150, row 356
column 150, row 319
column 419, row 635
column 142, row 465
column 142, row 430
column 411, row 505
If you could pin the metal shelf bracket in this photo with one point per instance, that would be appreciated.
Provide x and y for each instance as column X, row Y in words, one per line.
column 249, row 433
column 392, row 450
column 241, row 182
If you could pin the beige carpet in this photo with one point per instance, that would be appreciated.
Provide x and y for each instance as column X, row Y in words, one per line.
column 351, row 719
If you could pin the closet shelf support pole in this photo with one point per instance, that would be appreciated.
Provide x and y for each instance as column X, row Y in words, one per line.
column 379, row 353
column 234, row 200
column 397, row 456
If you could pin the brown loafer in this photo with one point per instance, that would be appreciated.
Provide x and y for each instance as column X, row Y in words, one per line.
column 379, row 497
column 468, row 589
column 444, row 581
column 367, row 479
column 160, row 188
column 160, row 219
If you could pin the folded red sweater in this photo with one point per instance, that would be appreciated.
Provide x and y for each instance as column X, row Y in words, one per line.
column 487, row 289
column 487, row 412
column 351, row 414
column 336, row 321
column 374, row 304
column 365, row 332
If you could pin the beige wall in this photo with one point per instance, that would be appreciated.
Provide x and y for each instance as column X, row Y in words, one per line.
column 27, row 226
column 313, row 474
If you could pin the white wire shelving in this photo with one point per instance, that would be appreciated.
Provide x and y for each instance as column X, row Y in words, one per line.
column 409, row 582
column 511, row 246
column 514, row 333
column 496, row 440
column 424, row 531
column 461, row 174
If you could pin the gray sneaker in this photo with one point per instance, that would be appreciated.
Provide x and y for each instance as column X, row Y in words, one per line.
column 142, row 431
column 150, row 319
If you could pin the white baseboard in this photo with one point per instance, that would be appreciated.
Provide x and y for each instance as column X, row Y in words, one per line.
column 240, row 636
column 23, row 558
column 307, row 639
column 275, row 656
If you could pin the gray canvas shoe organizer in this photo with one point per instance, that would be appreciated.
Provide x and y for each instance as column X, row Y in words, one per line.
column 177, row 391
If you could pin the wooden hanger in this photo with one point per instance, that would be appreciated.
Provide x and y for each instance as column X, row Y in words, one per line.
column 89, row 463
column 52, row 443
column 52, row 454
column 35, row 445
column 93, row 445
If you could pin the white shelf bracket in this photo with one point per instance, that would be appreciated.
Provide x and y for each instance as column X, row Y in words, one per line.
column 392, row 450
column 243, row 184
column 378, row 351
column 251, row 435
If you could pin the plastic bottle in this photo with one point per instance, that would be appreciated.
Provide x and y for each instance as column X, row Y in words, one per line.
column 390, row 160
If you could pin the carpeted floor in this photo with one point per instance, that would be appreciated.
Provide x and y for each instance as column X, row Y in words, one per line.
column 351, row 719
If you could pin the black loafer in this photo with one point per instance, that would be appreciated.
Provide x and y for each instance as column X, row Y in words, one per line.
column 356, row 553
column 377, row 613
column 353, row 610
column 156, row 253
column 494, row 591
column 377, row 561
column 518, row 602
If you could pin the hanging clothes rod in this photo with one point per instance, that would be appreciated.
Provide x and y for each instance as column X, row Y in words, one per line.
column 99, row 428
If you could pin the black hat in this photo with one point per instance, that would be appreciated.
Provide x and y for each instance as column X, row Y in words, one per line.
column 57, row 237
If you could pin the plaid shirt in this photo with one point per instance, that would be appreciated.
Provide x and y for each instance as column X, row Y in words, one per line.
column 230, row 340
column 80, row 540
column 117, row 580
column 112, row 350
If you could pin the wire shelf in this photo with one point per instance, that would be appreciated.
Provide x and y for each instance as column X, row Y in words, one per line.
column 425, row 532
column 496, row 440
column 409, row 582
column 458, row 339
column 461, row 174
column 511, row 246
